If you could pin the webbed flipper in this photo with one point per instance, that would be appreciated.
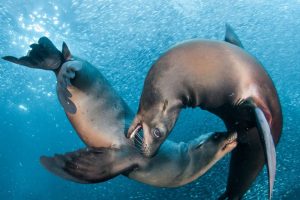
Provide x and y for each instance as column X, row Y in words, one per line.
column 66, row 73
column 231, row 37
column 268, row 144
column 252, row 149
column 43, row 55
column 89, row 165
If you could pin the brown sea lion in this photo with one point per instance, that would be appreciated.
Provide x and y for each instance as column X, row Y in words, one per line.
column 99, row 116
column 222, row 78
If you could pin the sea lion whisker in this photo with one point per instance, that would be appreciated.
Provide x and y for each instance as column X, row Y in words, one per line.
column 138, row 148
column 138, row 142
column 139, row 137
column 132, row 144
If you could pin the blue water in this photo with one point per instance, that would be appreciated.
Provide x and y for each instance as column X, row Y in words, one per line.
column 123, row 38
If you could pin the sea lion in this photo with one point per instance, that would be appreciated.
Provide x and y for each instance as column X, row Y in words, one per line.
column 82, row 91
column 98, row 114
column 175, row 164
column 222, row 78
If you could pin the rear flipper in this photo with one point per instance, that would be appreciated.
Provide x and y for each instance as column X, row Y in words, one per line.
column 248, row 159
column 268, row 145
column 89, row 165
column 266, row 140
column 43, row 55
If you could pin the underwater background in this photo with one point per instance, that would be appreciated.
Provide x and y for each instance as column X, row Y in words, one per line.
column 123, row 38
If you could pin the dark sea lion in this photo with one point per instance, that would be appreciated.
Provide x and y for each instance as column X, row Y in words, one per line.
column 98, row 114
column 175, row 164
column 224, row 79
column 83, row 92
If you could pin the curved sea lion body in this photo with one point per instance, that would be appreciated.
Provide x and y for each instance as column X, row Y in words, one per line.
column 173, row 166
column 109, row 113
column 93, row 108
column 225, row 80
column 211, row 75
column 98, row 114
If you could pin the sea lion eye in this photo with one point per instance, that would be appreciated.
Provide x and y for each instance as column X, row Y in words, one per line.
column 216, row 136
column 156, row 133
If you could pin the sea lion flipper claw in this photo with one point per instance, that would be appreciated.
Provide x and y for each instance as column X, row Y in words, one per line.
column 268, row 144
column 88, row 165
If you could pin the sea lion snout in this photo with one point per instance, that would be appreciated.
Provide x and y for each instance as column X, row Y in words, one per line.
column 156, row 122
column 142, row 140
column 231, row 141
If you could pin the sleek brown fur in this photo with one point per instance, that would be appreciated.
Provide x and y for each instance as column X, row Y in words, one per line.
column 224, row 79
column 99, row 116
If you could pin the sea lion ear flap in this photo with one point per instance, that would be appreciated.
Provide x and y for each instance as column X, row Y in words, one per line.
column 66, row 52
column 231, row 37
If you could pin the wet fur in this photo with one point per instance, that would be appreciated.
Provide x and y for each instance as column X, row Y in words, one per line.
column 223, row 79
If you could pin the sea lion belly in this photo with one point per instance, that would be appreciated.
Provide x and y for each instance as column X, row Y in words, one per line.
column 90, row 95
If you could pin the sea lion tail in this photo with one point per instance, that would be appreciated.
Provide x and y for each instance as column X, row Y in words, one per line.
column 43, row 55
column 89, row 165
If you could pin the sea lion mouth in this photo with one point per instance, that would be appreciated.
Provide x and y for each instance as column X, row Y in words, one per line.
column 137, row 137
column 231, row 142
column 135, row 131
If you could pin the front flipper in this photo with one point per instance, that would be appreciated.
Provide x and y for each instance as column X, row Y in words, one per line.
column 89, row 165
column 268, row 144
column 252, row 149
column 231, row 37
column 43, row 55
column 66, row 73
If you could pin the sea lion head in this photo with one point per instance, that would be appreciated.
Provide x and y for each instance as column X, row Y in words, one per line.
column 211, row 147
column 152, row 125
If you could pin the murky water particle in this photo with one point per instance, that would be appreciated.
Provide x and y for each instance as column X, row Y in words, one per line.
column 32, row 17
column 23, row 107
column 38, row 28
